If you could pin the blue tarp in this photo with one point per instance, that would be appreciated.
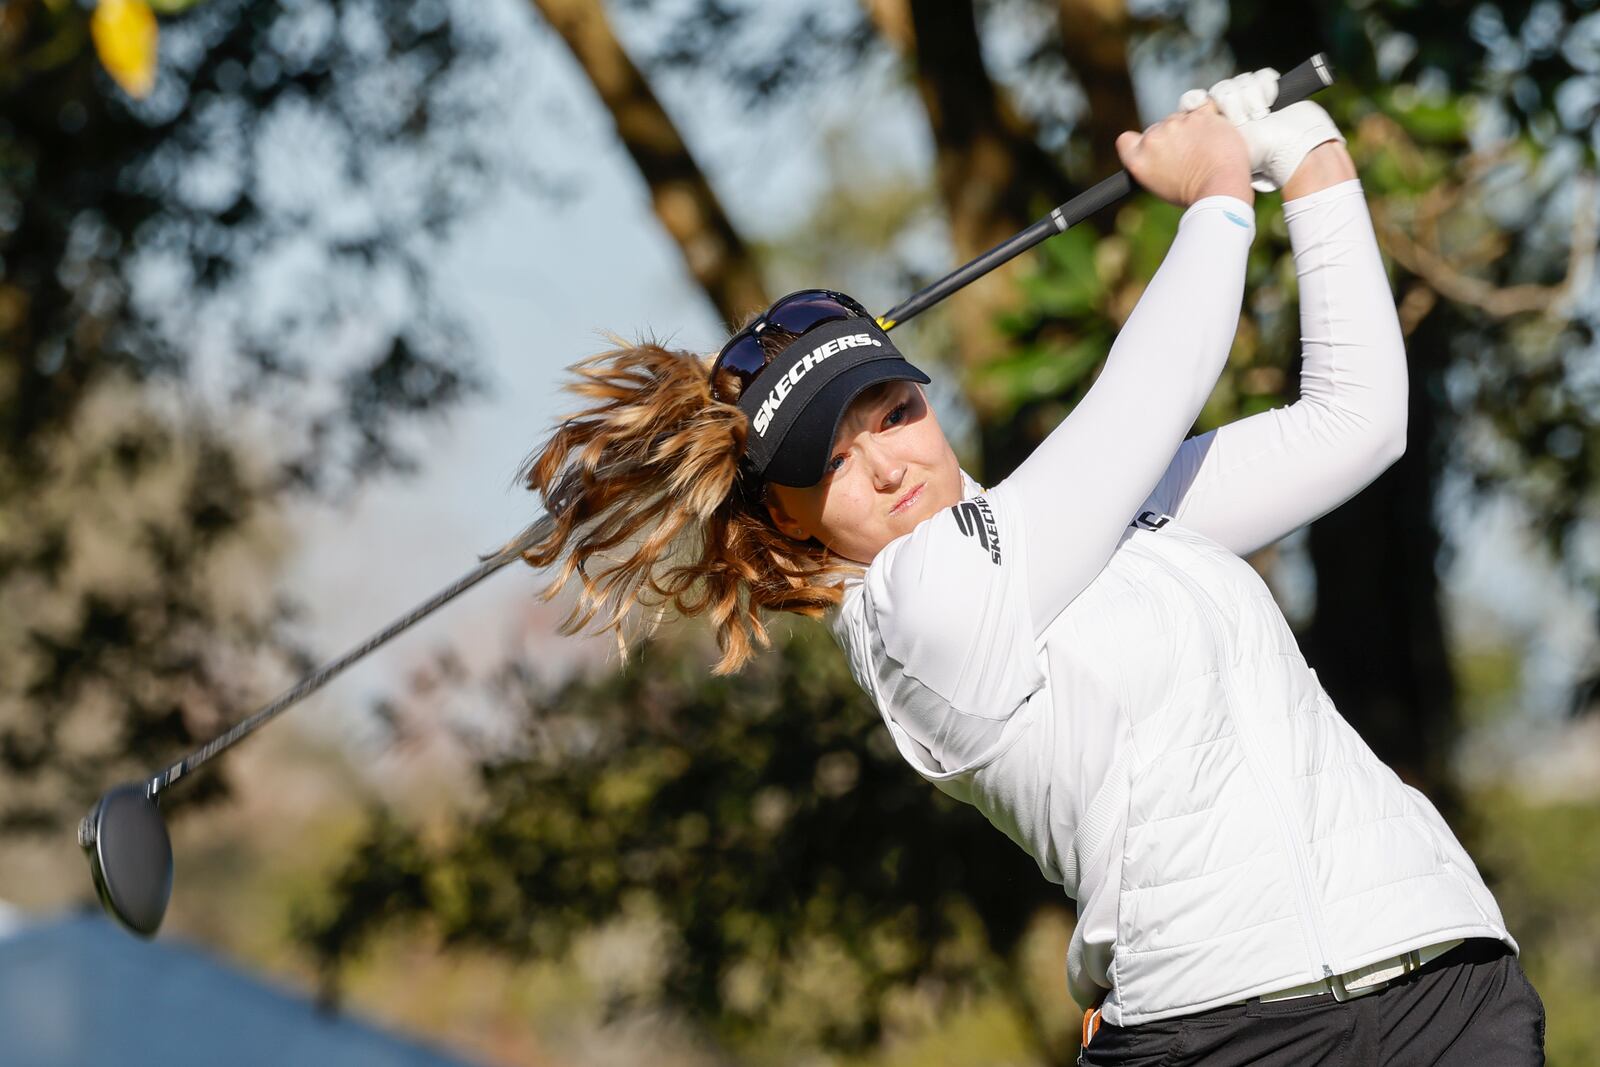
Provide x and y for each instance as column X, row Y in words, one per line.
column 79, row 992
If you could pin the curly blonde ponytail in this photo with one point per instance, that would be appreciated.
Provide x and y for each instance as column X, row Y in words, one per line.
column 647, row 508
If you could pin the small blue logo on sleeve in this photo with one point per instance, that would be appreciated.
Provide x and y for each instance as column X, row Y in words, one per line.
column 1235, row 219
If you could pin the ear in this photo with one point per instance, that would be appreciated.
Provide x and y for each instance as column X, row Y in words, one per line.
column 781, row 518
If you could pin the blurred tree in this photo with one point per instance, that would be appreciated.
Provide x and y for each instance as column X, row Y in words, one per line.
column 762, row 821
column 179, row 278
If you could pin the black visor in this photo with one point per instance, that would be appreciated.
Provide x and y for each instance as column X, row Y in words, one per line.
column 795, row 403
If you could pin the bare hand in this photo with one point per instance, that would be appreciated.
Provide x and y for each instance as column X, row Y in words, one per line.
column 1187, row 156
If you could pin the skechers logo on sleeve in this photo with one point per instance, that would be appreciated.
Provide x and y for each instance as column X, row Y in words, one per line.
column 785, row 385
column 974, row 519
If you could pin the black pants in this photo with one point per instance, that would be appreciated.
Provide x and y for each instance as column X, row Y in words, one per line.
column 1472, row 1005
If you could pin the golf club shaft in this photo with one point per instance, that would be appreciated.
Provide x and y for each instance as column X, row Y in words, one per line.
column 328, row 671
column 1309, row 77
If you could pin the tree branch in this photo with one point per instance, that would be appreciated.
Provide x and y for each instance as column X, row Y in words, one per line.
column 1094, row 39
column 683, row 199
column 1421, row 255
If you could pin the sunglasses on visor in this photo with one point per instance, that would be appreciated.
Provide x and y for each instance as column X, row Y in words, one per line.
column 743, row 357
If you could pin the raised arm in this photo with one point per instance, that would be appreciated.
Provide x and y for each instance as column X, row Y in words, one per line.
column 1247, row 484
column 1078, row 490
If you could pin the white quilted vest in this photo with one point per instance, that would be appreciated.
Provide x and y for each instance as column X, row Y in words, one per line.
column 1189, row 782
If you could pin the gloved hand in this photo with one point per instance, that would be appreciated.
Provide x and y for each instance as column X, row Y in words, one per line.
column 1277, row 140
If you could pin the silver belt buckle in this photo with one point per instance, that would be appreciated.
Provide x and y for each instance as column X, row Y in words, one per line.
column 1335, row 985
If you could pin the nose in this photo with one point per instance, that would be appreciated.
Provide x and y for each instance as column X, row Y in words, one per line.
column 887, row 470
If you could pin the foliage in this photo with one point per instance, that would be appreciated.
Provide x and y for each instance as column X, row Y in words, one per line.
column 763, row 821
column 1543, row 860
column 1078, row 292
column 177, row 348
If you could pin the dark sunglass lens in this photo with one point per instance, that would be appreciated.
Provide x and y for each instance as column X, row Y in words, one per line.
column 743, row 357
column 802, row 312
column 737, row 367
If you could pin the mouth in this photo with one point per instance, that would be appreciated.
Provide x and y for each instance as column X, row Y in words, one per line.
column 906, row 501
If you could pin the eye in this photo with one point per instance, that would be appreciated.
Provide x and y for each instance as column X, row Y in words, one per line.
column 896, row 415
column 834, row 464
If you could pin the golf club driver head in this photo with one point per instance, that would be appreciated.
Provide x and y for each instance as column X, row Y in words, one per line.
column 130, row 856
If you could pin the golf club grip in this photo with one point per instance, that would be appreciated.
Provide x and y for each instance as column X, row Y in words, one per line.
column 1299, row 83
column 1309, row 77
column 1302, row 82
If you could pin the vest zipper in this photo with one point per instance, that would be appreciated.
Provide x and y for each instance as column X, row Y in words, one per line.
column 1310, row 909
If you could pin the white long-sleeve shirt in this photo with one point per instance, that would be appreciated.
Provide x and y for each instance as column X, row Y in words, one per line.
column 984, row 634
column 1122, row 452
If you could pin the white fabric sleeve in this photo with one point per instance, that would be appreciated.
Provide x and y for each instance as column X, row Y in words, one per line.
column 1247, row 484
column 1078, row 490
column 955, row 658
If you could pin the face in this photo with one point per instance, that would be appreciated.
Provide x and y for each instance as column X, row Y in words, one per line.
column 891, row 468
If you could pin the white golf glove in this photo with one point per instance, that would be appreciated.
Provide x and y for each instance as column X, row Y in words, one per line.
column 1277, row 140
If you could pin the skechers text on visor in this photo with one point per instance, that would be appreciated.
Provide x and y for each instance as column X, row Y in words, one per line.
column 795, row 403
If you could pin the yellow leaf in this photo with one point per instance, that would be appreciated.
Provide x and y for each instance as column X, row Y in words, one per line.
column 125, row 37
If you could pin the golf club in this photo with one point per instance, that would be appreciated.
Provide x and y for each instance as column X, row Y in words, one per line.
column 1312, row 76
column 124, row 835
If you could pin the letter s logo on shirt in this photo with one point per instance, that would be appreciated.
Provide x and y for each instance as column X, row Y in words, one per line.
column 975, row 519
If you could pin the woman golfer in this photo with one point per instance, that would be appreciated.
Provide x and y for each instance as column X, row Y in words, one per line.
column 1079, row 651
